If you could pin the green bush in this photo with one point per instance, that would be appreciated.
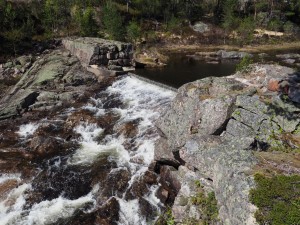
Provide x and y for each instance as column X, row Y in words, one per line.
column 113, row 22
column 133, row 31
column 277, row 199
column 244, row 64
column 275, row 25
column 166, row 218
column 173, row 24
column 208, row 205
column 88, row 24
column 246, row 30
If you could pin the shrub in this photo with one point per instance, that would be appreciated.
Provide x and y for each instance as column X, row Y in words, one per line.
column 112, row 21
column 246, row 29
column 173, row 24
column 275, row 25
column 133, row 31
column 166, row 218
column 87, row 23
column 277, row 199
column 208, row 205
column 244, row 64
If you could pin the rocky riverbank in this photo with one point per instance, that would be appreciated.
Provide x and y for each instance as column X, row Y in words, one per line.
column 74, row 136
column 77, row 145
column 212, row 132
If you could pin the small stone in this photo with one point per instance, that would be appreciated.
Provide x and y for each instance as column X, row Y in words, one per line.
column 273, row 85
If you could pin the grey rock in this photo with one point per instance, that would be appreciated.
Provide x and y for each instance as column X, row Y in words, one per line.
column 163, row 155
column 288, row 56
column 289, row 61
column 189, row 115
column 226, row 163
column 232, row 54
column 23, row 60
column 215, row 124
column 115, row 68
column 200, row 27
column 96, row 51
column 8, row 65
column 44, row 85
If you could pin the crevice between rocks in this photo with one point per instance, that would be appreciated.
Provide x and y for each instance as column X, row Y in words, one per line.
column 29, row 100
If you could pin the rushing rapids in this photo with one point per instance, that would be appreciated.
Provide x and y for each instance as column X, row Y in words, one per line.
column 97, row 161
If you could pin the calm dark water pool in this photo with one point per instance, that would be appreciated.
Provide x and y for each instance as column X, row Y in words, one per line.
column 181, row 70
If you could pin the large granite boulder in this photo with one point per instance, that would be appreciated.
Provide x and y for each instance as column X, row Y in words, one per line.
column 215, row 125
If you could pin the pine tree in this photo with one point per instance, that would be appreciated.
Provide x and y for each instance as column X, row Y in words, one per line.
column 112, row 22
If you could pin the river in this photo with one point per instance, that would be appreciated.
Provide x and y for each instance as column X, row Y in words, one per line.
column 107, row 167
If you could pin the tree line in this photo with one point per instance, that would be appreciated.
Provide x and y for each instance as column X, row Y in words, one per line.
column 126, row 19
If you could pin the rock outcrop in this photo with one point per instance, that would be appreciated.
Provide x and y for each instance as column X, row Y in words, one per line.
column 214, row 126
column 53, row 80
column 102, row 54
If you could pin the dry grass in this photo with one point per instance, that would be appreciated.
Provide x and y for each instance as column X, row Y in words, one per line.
column 249, row 48
column 274, row 163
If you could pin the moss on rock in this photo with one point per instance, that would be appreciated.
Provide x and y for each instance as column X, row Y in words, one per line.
column 277, row 199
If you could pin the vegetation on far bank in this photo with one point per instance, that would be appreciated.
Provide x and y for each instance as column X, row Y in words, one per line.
column 231, row 21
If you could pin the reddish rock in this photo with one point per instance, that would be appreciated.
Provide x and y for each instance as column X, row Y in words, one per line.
column 116, row 183
column 43, row 146
column 81, row 116
column 7, row 186
column 147, row 210
column 128, row 129
column 140, row 186
column 273, row 85
column 169, row 183
column 162, row 194
column 108, row 214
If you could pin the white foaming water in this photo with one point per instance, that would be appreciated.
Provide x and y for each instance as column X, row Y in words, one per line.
column 7, row 177
column 90, row 150
column 96, row 106
column 48, row 212
column 142, row 101
column 11, row 208
column 27, row 130
column 130, row 213
column 43, row 213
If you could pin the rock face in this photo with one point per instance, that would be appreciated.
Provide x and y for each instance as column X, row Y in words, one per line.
column 113, row 55
column 52, row 81
column 213, row 127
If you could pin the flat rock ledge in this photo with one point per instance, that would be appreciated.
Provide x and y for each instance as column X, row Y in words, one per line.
column 212, row 130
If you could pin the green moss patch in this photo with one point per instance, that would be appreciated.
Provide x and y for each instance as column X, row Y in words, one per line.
column 277, row 199
column 166, row 218
column 207, row 204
